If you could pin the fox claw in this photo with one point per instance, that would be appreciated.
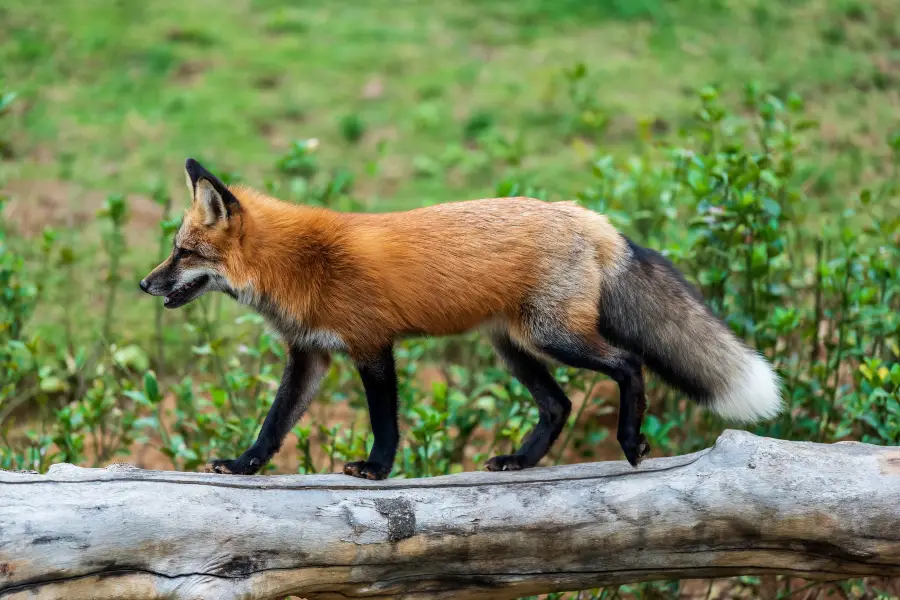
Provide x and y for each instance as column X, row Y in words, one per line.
column 506, row 462
column 238, row 466
column 365, row 469
column 636, row 451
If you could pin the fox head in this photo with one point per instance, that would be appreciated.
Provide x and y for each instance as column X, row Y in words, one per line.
column 207, row 242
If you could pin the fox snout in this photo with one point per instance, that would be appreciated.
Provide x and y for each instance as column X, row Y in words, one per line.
column 177, row 285
column 155, row 287
column 159, row 281
column 150, row 286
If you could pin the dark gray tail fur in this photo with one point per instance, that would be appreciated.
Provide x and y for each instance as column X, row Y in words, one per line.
column 648, row 308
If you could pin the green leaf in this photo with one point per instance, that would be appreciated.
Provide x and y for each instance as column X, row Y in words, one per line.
column 53, row 384
column 6, row 100
column 132, row 357
column 698, row 181
column 151, row 387
column 770, row 178
column 148, row 422
column 139, row 397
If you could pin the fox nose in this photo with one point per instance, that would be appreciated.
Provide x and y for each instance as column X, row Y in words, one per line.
column 144, row 285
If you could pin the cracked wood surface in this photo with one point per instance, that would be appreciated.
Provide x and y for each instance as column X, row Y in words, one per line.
column 748, row 505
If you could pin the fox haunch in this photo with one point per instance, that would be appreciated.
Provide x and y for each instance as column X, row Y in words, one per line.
column 544, row 281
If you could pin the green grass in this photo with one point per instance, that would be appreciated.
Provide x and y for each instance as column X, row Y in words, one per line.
column 410, row 96
column 116, row 94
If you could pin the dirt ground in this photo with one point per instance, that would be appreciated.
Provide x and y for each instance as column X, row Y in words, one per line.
column 63, row 205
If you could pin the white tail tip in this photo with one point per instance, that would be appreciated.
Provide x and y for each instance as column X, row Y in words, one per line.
column 753, row 394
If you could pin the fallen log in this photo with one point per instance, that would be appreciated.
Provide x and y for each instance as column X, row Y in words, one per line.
column 748, row 505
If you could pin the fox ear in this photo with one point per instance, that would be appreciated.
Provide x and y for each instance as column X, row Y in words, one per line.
column 211, row 202
column 216, row 200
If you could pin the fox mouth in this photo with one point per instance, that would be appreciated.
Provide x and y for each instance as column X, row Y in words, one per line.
column 187, row 292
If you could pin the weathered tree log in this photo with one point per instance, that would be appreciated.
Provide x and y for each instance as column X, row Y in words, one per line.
column 748, row 505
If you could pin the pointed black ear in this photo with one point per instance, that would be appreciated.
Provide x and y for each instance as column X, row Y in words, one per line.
column 206, row 187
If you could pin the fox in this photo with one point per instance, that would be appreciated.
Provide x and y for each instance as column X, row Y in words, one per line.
column 543, row 281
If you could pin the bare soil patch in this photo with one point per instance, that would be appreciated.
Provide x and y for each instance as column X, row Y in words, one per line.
column 36, row 204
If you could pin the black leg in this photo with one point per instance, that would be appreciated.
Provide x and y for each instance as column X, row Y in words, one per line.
column 553, row 406
column 299, row 383
column 379, row 379
column 625, row 369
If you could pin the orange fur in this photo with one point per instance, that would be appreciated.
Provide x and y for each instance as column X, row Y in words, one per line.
column 438, row 270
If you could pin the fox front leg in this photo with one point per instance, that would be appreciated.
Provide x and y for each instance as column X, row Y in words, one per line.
column 379, row 378
column 300, row 381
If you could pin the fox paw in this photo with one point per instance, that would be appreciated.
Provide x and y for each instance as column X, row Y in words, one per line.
column 238, row 466
column 636, row 449
column 506, row 462
column 365, row 469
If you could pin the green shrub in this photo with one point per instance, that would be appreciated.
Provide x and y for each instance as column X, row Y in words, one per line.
column 353, row 128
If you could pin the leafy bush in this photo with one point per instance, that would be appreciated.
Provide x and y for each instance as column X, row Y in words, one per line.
column 353, row 128
column 726, row 200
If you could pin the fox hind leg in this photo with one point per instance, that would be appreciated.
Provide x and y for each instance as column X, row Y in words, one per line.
column 553, row 405
column 594, row 353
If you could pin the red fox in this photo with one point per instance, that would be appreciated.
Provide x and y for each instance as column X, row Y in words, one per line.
column 543, row 280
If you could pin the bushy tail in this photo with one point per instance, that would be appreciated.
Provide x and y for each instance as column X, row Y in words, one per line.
column 648, row 308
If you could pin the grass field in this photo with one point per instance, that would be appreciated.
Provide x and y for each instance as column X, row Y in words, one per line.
column 114, row 95
column 414, row 103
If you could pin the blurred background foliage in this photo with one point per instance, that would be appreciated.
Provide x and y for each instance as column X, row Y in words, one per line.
column 756, row 143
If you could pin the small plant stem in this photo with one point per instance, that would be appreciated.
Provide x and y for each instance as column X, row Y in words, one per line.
column 571, row 429
column 112, row 282
column 817, row 318
column 158, row 321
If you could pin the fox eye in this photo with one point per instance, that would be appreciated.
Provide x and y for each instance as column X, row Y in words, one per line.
column 182, row 252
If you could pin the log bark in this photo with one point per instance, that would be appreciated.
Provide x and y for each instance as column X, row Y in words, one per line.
column 748, row 505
